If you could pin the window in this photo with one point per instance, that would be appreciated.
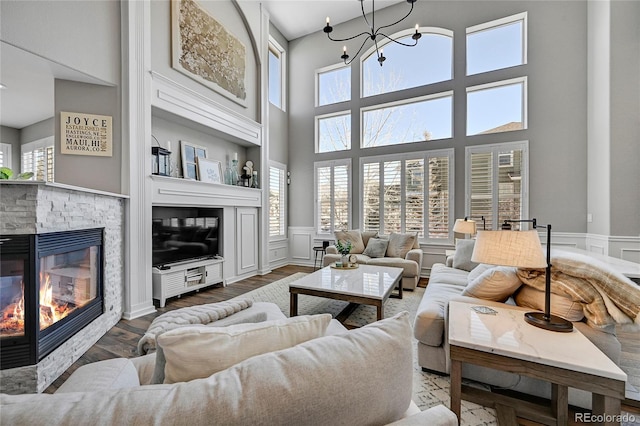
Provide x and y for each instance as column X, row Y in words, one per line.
column 277, row 200
column 276, row 74
column 421, row 119
column 430, row 61
column 333, row 85
column 497, row 44
column 37, row 157
column 333, row 132
column 497, row 107
column 5, row 155
column 408, row 193
column 496, row 188
column 333, row 195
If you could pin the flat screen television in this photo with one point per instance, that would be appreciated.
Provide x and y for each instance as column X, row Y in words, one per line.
column 182, row 234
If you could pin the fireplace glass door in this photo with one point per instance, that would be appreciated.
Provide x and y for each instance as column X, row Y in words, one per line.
column 68, row 281
column 12, row 278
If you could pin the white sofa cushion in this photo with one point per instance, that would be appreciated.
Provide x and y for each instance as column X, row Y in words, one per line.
column 325, row 380
column 117, row 373
column 195, row 352
column 497, row 284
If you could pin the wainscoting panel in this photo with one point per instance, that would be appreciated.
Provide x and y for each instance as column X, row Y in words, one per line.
column 300, row 247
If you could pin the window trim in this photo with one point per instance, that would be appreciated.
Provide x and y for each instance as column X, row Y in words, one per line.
column 498, row 84
column 400, row 34
column 281, row 53
column 332, row 164
column 448, row 152
column 316, row 131
column 495, row 149
column 324, row 70
column 402, row 102
column 507, row 20
column 6, row 155
column 284, row 200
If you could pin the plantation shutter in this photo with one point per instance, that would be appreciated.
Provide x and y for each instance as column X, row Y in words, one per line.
column 392, row 197
column 341, row 197
column 49, row 161
column 510, row 186
column 414, row 196
column 324, row 199
column 5, row 155
column 333, row 180
column 482, row 186
column 371, row 196
column 276, row 202
column 439, row 197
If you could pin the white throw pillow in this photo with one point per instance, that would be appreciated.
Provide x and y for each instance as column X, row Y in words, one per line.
column 376, row 247
column 400, row 244
column 354, row 236
column 462, row 256
column 198, row 352
column 561, row 305
column 497, row 284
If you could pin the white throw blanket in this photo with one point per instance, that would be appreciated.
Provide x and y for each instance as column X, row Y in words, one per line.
column 607, row 296
column 199, row 314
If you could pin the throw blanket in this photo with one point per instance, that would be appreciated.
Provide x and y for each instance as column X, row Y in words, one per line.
column 199, row 314
column 607, row 296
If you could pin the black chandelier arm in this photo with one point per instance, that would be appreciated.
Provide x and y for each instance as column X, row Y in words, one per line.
column 350, row 38
column 364, row 15
column 358, row 52
column 415, row 41
column 397, row 22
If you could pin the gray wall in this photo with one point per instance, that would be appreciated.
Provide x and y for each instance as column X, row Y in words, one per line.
column 278, row 118
column 37, row 131
column 12, row 137
column 102, row 173
column 557, row 133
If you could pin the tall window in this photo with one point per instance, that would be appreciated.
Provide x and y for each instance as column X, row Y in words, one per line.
column 333, row 132
column 414, row 120
column 430, row 61
column 333, row 195
column 497, row 107
column 497, row 44
column 276, row 74
column 497, row 182
column 5, row 155
column 37, row 157
column 333, row 85
column 277, row 200
column 408, row 193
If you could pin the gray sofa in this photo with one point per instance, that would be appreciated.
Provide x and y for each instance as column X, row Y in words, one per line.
column 324, row 378
column 411, row 262
column 447, row 283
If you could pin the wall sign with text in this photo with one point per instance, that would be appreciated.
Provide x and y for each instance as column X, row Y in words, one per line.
column 86, row 134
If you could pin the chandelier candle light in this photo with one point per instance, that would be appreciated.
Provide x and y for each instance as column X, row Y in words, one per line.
column 375, row 34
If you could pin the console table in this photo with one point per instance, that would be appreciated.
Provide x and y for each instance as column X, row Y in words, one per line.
column 504, row 341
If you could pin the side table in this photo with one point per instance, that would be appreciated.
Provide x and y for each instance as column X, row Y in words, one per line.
column 504, row 341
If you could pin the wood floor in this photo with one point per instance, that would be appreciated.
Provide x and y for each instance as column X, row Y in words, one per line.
column 122, row 339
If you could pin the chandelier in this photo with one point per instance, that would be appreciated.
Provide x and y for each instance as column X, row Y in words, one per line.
column 373, row 34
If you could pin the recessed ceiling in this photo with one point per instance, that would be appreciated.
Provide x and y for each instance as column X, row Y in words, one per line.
column 298, row 18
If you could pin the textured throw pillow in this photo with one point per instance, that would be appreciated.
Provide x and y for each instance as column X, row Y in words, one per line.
column 354, row 236
column 561, row 305
column 368, row 234
column 400, row 244
column 477, row 271
column 462, row 256
column 377, row 247
column 198, row 352
column 497, row 284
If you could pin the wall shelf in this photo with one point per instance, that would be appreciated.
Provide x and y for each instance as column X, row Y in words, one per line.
column 170, row 191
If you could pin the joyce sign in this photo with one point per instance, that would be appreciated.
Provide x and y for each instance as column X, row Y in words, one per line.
column 86, row 134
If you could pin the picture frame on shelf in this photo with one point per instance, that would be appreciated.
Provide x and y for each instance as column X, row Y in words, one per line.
column 209, row 170
column 189, row 154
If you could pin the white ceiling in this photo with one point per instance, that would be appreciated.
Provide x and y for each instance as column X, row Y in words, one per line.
column 29, row 79
column 297, row 18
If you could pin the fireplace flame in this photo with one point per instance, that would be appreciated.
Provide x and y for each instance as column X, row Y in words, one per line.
column 50, row 310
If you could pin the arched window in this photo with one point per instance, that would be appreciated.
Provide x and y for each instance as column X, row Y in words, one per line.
column 431, row 61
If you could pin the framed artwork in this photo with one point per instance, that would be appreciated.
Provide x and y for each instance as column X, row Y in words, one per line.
column 203, row 49
column 190, row 154
column 209, row 170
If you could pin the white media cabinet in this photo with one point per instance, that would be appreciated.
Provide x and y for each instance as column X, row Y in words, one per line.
column 182, row 277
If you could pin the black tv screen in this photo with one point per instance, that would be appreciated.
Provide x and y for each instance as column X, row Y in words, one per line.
column 184, row 233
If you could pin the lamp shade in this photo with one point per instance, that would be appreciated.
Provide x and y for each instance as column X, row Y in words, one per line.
column 521, row 249
column 465, row 226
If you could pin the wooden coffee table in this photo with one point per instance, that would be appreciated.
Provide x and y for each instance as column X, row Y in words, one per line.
column 504, row 341
column 365, row 285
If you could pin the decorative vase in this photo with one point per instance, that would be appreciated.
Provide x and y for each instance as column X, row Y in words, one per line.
column 234, row 172
column 345, row 260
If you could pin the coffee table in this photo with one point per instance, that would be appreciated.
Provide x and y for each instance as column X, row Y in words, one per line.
column 504, row 341
column 364, row 285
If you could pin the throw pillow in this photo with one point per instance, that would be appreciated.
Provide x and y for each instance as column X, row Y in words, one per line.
column 198, row 352
column 377, row 247
column 368, row 234
column 561, row 305
column 462, row 256
column 497, row 284
column 400, row 244
column 477, row 271
column 354, row 236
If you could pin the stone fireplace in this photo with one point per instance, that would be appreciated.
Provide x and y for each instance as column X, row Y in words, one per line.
column 61, row 276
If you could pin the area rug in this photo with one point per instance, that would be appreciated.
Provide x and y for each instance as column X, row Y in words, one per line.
column 428, row 389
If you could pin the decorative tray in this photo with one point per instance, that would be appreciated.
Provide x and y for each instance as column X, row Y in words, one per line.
column 349, row 266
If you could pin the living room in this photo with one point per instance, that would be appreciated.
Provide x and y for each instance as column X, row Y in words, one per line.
column 580, row 97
